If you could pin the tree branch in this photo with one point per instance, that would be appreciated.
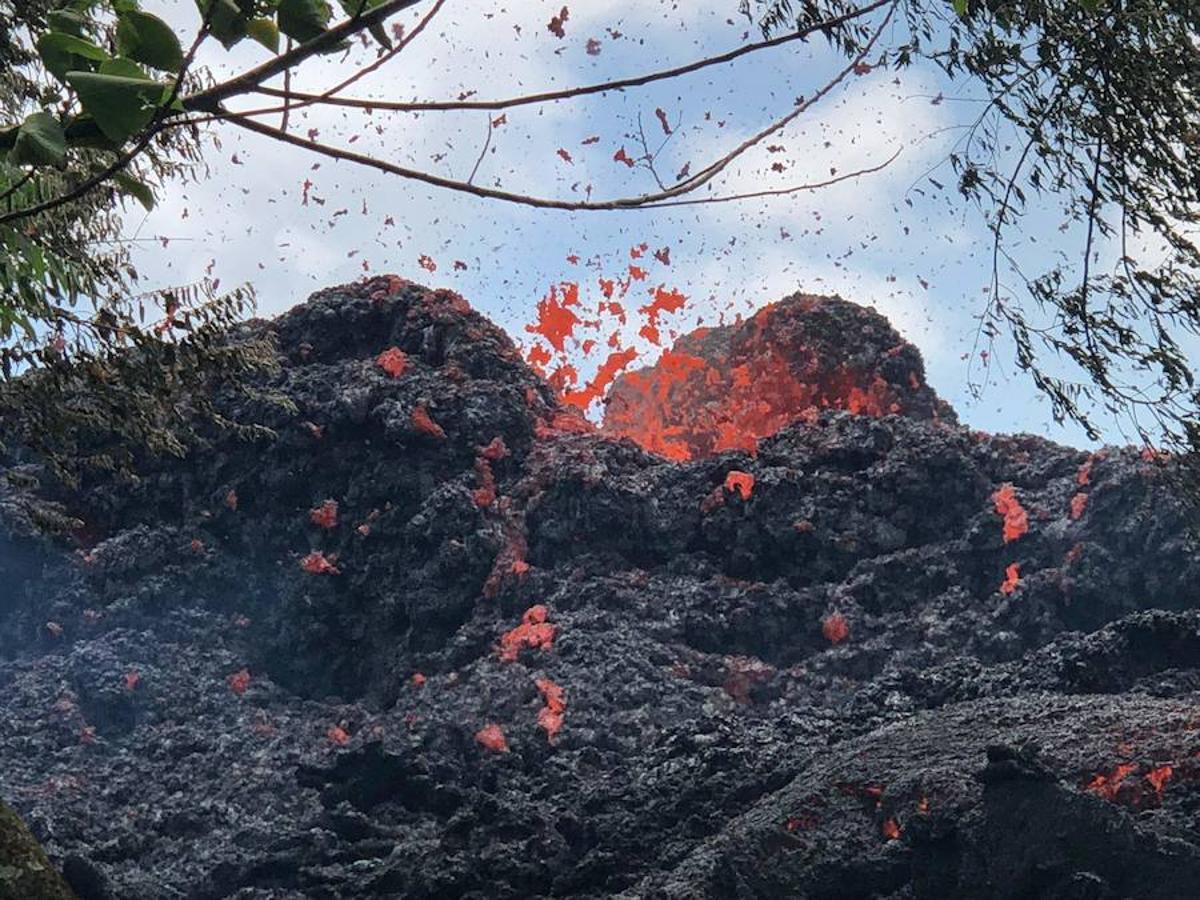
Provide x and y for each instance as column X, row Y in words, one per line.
column 645, row 200
column 210, row 99
column 124, row 159
column 568, row 93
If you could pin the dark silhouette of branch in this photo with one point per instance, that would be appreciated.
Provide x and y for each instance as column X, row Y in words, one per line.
column 568, row 93
column 240, row 84
column 704, row 176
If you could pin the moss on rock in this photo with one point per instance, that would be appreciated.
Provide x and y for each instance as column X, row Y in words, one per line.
column 25, row 872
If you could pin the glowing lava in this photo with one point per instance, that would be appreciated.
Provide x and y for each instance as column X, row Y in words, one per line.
column 725, row 388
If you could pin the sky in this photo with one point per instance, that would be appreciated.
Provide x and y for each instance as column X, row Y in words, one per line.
column 899, row 240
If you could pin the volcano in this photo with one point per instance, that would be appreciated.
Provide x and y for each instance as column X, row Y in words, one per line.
column 780, row 627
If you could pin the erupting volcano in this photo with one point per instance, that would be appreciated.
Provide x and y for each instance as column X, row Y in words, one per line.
column 438, row 637
column 725, row 388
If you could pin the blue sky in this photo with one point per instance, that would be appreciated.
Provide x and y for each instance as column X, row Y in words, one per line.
column 891, row 240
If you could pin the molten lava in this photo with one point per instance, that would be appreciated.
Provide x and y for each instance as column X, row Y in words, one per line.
column 725, row 388
column 534, row 631
column 1016, row 520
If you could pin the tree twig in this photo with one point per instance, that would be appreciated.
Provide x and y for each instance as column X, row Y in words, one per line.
column 570, row 93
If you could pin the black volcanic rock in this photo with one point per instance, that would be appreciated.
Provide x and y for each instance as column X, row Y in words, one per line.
column 824, row 682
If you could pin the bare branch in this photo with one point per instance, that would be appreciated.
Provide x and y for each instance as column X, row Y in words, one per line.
column 487, row 143
column 686, row 186
column 570, row 93
column 780, row 192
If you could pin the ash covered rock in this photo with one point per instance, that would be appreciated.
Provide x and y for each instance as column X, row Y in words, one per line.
column 439, row 638
column 724, row 388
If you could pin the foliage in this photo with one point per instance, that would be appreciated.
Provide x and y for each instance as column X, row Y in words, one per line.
column 103, row 381
column 1104, row 99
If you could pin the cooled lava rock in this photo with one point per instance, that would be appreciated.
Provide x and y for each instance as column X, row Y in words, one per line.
column 441, row 638
column 725, row 388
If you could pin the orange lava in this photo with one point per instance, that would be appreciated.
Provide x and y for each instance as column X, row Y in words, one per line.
column 393, row 361
column 555, row 322
column 689, row 405
column 1083, row 475
column 1078, row 504
column 550, row 716
column 835, row 628
column 423, row 423
column 238, row 681
column 317, row 564
column 1159, row 777
column 484, row 494
column 742, row 482
column 1012, row 578
column 1106, row 786
column 325, row 515
column 596, row 388
column 891, row 829
column 337, row 735
column 491, row 737
column 1016, row 521
column 534, row 631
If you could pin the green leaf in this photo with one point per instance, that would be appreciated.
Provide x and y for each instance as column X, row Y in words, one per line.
column 68, row 21
column 139, row 190
column 960, row 7
column 303, row 19
column 120, row 105
column 126, row 68
column 265, row 31
column 227, row 22
column 40, row 142
column 380, row 34
column 62, row 53
column 150, row 40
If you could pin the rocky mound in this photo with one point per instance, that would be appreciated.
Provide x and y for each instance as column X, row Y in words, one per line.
column 725, row 388
column 440, row 639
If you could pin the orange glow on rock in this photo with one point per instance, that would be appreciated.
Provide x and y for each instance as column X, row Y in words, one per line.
column 1083, row 475
column 491, row 737
column 317, row 564
column 338, row 735
column 742, row 482
column 424, row 424
column 550, row 716
column 891, row 829
column 1106, row 786
column 835, row 628
column 534, row 631
column 1012, row 578
column 725, row 388
column 1159, row 777
column 325, row 515
column 393, row 360
column 1078, row 504
column 494, row 451
column 238, row 681
column 1016, row 520
column 484, row 494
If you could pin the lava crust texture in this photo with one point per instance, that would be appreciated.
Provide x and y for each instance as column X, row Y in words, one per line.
column 441, row 638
